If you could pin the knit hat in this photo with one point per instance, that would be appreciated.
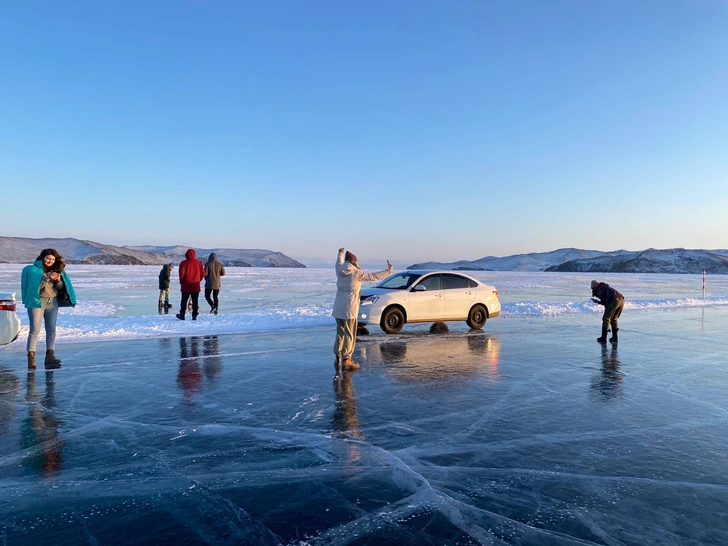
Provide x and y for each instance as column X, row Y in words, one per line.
column 349, row 257
column 593, row 284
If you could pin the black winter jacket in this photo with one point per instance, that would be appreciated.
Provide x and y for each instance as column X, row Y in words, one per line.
column 164, row 276
column 605, row 294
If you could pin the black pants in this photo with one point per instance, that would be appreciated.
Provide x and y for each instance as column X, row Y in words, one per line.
column 214, row 291
column 195, row 303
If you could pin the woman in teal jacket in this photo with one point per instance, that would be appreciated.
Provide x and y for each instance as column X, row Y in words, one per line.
column 41, row 283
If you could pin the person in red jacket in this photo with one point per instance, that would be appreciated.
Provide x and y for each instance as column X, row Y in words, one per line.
column 191, row 273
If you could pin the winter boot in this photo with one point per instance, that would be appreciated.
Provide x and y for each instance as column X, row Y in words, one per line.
column 614, row 339
column 180, row 315
column 603, row 339
column 337, row 364
column 167, row 305
column 349, row 364
column 51, row 362
column 194, row 317
column 31, row 360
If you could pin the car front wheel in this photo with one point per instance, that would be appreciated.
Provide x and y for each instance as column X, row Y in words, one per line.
column 392, row 320
column 477, row 317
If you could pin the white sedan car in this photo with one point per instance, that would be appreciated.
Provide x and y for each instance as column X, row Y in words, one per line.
column 427, row 296
column 9, row 321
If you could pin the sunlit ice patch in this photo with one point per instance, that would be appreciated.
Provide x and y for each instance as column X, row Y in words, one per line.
column 84, row 328
column 90, row 308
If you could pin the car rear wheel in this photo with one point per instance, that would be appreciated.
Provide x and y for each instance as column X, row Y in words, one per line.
column 392, row 320
column 477, row 317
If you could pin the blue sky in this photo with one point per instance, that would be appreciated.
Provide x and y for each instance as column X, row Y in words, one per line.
column 411, row 130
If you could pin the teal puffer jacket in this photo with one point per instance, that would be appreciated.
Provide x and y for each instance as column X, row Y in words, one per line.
column 30, row 281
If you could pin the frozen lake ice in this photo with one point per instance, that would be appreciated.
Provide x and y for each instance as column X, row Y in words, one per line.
column 234, row 430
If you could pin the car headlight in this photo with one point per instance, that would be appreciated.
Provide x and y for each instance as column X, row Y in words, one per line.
column 370, row 300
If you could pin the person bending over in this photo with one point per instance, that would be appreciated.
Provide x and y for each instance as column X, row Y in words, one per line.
column 613, row 302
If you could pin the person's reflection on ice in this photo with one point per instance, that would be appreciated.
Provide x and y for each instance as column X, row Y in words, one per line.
column 212, row 362
column 41, row 428
column 165, row 345
column 345, row 422
column 189, row 377
column 608, row 384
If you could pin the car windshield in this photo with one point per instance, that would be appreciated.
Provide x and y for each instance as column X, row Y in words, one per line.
column 401, row 281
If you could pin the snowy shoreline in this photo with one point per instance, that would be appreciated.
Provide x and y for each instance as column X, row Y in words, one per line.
column 119, row 303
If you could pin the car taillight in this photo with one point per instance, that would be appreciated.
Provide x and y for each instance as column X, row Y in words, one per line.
column 7, row 305
column 496, row 293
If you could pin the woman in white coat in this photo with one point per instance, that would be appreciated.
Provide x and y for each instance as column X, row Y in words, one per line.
column 349, row 277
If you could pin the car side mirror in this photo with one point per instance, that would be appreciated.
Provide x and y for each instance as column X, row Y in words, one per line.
column 419, row 288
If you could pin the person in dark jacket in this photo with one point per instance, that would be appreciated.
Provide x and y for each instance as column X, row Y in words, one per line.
column 613, row 302
column 191, row 274
column 213, row 271
column 41, row 284
column 165, row 276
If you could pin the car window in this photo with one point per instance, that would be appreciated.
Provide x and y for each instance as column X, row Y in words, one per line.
column 454, row 281
column 472, row 283
column 401, row 281
column 431, row 283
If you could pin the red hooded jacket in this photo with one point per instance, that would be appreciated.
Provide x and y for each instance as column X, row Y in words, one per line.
column 191, row 273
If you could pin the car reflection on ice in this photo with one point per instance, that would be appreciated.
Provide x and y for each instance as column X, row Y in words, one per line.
column 426, row 358
column 427, row 296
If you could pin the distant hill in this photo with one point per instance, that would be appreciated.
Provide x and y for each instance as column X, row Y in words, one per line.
column 228, row 256
column 676, row 260
column 75, row 251
column 536, row 261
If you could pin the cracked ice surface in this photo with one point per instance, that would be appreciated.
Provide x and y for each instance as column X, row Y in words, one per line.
column 528, row 432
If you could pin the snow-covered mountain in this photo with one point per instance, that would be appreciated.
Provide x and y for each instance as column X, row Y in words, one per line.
column 674, row 260
column 25, row 250
column 536, row 261
column 252, row 257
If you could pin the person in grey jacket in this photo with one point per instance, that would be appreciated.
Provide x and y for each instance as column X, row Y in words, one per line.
column 349, row 277
column 213, row 271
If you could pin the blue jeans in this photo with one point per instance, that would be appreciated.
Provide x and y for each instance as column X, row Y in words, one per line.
column 47, row 312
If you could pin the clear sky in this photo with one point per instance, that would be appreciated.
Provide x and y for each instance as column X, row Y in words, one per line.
column 409, row 130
